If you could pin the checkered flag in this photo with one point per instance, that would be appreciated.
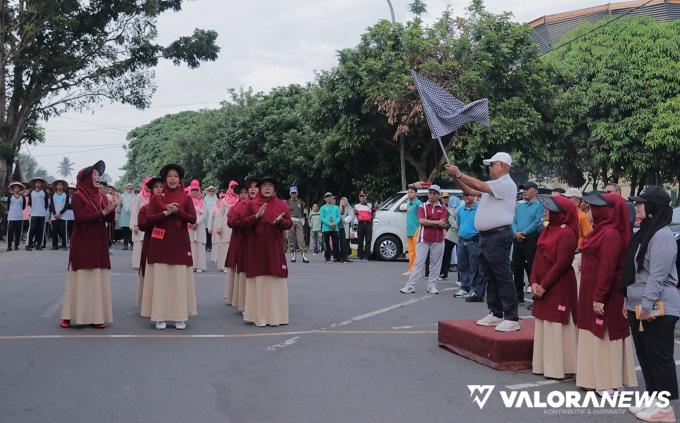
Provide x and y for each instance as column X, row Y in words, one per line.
column 444, row 112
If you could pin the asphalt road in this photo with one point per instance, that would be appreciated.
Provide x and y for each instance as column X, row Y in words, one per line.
column 354, row 352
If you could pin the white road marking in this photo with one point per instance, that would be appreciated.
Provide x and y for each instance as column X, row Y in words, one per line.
column 414, row 326
column 284, row 344
column 384, row 310
column 535, row 384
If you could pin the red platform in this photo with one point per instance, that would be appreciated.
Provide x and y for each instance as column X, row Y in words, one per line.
column 498, row 350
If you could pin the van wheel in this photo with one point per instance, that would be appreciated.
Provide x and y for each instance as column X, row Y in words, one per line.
column 387, row 248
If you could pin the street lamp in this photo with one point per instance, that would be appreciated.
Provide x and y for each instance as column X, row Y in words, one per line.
column 402, row 154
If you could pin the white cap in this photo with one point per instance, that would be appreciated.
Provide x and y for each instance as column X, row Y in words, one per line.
column 435, row 188
column 499, row 157
column 573, row 192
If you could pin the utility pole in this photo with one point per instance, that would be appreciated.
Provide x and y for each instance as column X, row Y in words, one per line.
column 402, row 152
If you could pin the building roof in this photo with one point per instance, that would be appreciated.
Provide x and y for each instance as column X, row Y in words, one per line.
column 548, row 30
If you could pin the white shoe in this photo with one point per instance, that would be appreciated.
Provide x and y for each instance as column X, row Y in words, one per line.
column 407, row 273
column 225, row 270
column 199, row 270
column 508, row 326
column 432, row 290
column 528, row 290
column 180, row 325
column 458, row 284
column 260, row 325
column 160, row 325
column 489, row 320
column 657, row 414
column 461, row 293
column 611, row 392
column 407, row 290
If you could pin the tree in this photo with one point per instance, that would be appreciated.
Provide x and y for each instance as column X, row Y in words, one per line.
column 619, row 103
column 30, row 167
column 66, row 167
column 62, row 55
column 418, row 7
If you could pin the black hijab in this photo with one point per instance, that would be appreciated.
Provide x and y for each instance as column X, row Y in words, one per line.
column 658, row 216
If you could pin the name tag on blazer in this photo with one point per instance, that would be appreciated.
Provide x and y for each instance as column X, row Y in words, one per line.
column 158, row 233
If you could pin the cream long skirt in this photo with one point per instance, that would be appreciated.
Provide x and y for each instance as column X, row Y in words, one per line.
column 266, row 301
column 229, row 282
column 136, row 254
column 603, row 364
column 221, row 255
column 554, row 348
column 87, row 297
column 199, row 255
column 168, row 293
column 238, row 293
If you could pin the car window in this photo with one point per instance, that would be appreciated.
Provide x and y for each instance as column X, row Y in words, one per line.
column 387, row 204
column 676, row 215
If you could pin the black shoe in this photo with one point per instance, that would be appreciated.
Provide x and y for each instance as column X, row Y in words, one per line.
column 9, row 248
column 520, row 300
column 474, row 299
column 38, row 248
column 54, row 248
column 64, row 248
column 125, row 248
column 530, row 306
column 29, row 248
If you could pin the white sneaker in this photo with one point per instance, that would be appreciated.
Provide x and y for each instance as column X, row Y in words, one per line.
column 489, row 320
column 160, row 325
column 528, row 290
column 635, row 410
column 461, row 293
column 180, row 325
column 407, row 290
column 440, row 278
column 199, row 270
column 407, row 273
column 458, row 284
column 432, row 290
column 657, row 414
column 508, row 326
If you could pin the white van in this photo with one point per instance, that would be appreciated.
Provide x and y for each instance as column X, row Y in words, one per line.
column 389, row 224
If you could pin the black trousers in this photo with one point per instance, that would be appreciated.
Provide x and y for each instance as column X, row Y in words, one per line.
column 343, row 243
column 446, row 260
column 208, row 240
column 14, row 232
column 58, row 233
column 523, row 253
column 654, row 349
column 494, row 269
column 69, row 229
column 327, row 238
column 35, row 235
column 364, row 238
column 127, row 236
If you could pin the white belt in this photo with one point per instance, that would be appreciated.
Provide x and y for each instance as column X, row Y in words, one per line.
column 298, row 219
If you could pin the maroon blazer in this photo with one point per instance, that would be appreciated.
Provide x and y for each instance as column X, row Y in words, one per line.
column 90, row 239
column 556, row 275
column 265, row 248
column 601, row 268
column 171, row 245
column 237, row 241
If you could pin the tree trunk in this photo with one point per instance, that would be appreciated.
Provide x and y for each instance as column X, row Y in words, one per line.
column 5, row 169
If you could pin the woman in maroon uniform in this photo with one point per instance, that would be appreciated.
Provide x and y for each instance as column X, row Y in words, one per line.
column 154, row 186
column 553, row 284
column 231, row 263
column 605, row 349
column 169, row 293
column 87, row 296
column 266, row 265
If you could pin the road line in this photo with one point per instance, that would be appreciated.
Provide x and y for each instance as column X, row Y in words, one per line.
column 213, row 336
column 288, row 342
column 384, row 310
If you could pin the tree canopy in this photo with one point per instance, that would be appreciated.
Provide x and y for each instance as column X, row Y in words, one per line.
column 65, row 55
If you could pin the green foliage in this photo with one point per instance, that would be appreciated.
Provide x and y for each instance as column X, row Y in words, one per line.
column 618, row 107
column 30, row 168
column 65, row 167
column 59, row 56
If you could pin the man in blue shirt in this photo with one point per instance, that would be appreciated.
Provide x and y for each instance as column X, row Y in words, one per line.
column 526, row 226
column 471, row 282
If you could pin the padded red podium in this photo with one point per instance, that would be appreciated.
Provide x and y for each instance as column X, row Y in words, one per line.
column 483, row 344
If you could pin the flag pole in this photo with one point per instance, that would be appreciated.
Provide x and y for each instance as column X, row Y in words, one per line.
column 446, row 156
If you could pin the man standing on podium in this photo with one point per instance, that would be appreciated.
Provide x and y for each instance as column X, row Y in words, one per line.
column 493, row 220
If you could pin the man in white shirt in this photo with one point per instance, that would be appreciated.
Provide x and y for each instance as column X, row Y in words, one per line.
column 493, row 220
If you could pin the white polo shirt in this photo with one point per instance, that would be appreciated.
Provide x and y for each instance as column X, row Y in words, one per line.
column 497, row 208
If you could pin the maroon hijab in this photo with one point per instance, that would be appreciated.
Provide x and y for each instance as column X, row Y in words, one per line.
column 88, row 190
column 547, row 242
column 609, row 218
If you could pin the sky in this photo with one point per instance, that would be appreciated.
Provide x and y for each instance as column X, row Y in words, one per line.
column 264, row 44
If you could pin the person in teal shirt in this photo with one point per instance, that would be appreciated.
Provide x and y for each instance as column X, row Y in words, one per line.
column 330, row 224
column 412, row 226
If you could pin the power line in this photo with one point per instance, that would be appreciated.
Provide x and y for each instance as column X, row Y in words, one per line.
column 75, row 152
column 90, row 130
column 93, row 124
column 78, row 145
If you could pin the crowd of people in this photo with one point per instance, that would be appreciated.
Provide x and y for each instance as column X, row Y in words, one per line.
column 597, row 287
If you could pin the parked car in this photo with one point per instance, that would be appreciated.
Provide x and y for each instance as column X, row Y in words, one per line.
column 389, row 224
